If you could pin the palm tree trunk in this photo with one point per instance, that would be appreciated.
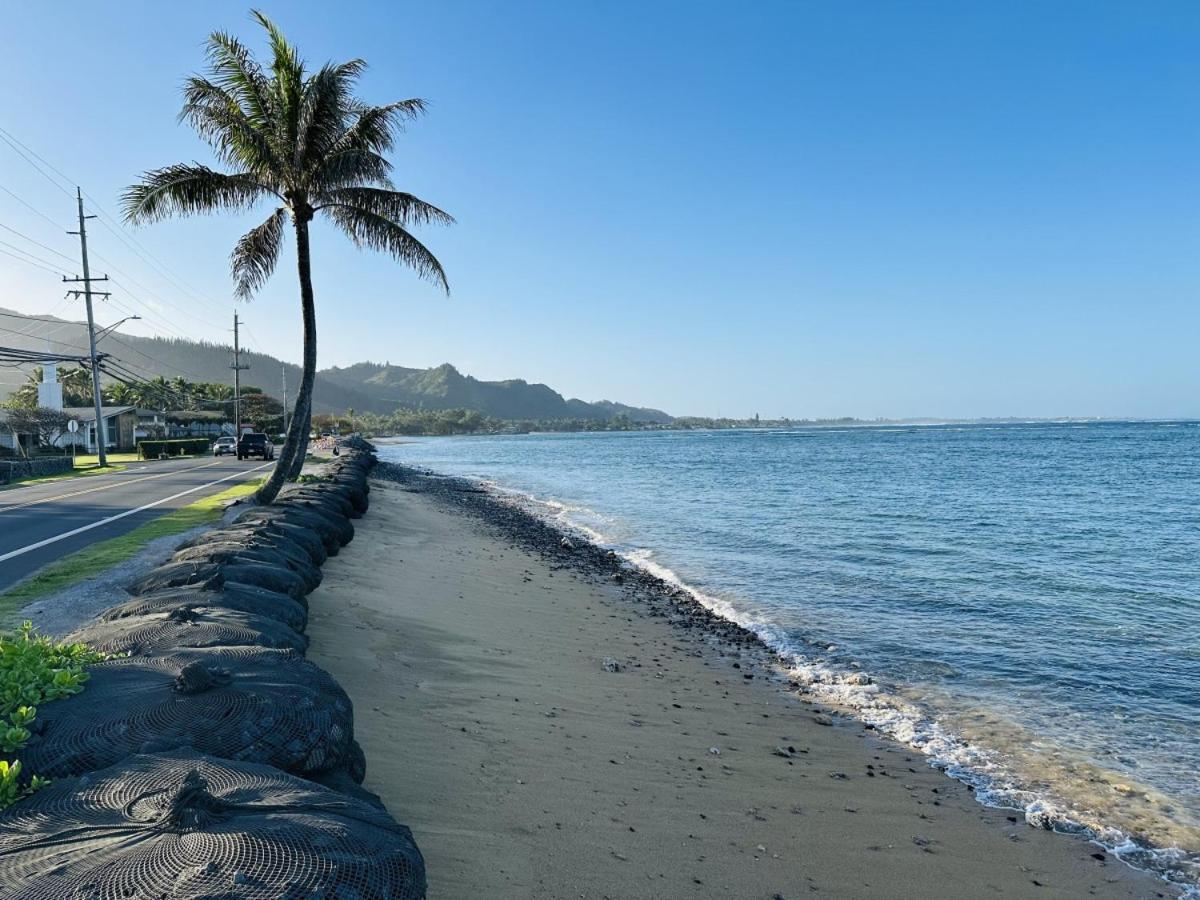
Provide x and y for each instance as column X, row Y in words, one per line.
column 298, row 459
column 296, row 445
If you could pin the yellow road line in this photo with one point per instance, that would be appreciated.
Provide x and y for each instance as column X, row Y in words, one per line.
column 104, row 487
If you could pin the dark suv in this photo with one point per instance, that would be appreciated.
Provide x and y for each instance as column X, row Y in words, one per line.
column 255, row 445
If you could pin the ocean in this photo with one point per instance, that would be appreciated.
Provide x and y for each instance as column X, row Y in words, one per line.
column 1020, row 602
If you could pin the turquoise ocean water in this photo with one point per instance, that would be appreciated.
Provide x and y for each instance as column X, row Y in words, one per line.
column 1019, row 602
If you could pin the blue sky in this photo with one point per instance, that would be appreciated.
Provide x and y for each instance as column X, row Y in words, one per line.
column 804, row 209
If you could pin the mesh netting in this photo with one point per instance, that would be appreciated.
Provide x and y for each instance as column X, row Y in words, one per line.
column 188, row 827
column 212, row 575
column 189, row 627
column 231, row 596
column 254, row 553
column 279, row 533
column 331, row 498
column 334, row 532
column 265, row 706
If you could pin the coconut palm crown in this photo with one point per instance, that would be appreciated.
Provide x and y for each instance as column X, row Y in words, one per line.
column 304, row 142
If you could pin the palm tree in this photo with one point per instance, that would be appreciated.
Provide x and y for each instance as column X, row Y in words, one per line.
column 305, row 142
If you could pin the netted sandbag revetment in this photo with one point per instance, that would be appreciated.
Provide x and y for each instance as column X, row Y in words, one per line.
column 281, row 534
column 190, row 827
column 334, row 532
column 265, row 706
column 211, row 575
column 231, row 596
column 252, row 552
column 188, row 627
column 328, row 497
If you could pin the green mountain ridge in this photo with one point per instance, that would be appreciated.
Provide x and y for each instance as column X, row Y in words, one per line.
column 366, row 386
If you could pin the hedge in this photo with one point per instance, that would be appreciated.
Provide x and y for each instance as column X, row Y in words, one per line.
column 157, row 449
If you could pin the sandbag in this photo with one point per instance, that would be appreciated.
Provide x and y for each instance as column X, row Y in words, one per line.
column 190, row 827
column 352, row 488
column 188, row 626
column 232, row 596
column 281, row 535
column 248, row 551
column 330, row 531
column 331, row 498
column 324, row 508
column 266, row 706
column 212, row 575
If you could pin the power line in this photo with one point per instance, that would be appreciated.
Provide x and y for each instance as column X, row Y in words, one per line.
column 33, row 209
column 36, row 318
column 16, row 147
column 38, row 265
column 111, row 264
column 25, row 152
column 38, row 243
column 39, row 337
column 155, row 360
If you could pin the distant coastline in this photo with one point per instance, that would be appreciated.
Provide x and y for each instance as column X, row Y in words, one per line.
column 466, row 422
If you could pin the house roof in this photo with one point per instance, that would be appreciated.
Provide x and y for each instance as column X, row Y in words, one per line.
column 88, row 413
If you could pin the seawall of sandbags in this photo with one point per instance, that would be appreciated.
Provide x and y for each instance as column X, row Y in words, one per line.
column 212, row 759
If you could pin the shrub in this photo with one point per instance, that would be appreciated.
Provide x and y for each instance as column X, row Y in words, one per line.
column 152, row 449
column 33, row 670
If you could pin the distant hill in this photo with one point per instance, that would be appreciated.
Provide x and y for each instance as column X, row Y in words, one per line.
column 366, row 387
column 445, row 387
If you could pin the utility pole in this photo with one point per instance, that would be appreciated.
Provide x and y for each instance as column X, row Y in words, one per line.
column 237, row 380
column 101, row 431
column 283, row 374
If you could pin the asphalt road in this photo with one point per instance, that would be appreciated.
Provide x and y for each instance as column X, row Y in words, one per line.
column 44, row 522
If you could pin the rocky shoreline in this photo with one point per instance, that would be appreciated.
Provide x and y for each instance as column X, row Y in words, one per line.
column 653, row 596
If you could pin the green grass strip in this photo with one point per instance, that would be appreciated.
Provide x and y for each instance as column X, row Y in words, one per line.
column 86, row 563
column 77, row 472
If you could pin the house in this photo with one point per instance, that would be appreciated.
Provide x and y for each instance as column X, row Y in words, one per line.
column 187, row 423
column 120, row 423
column 151, row 423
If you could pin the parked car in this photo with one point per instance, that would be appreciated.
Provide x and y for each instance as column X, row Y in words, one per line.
column 255, row 444
column 225, row 445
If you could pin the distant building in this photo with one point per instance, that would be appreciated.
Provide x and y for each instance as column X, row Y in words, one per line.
column 120, row 423
column 187, row 423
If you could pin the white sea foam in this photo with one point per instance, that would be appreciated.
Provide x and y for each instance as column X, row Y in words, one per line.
column 856, row 693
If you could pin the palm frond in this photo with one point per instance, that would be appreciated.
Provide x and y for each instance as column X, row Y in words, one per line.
column 327, row 104
column 287, row 79
column 352, row 167
column 182, row 189
column 254, row 258
column 369, row 229
column 220, row 119
column 399, row 207
column 375, row 127
column 234, row 70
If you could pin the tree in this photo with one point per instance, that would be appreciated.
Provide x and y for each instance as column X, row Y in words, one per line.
column 76, row 385
column 45, row 424
column 303, row 141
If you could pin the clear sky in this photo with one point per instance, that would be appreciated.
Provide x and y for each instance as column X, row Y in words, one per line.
column 796, row 208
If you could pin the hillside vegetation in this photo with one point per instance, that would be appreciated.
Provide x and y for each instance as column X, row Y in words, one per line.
column 364, row 387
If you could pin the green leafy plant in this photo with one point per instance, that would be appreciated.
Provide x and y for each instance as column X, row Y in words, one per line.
column 33, row 670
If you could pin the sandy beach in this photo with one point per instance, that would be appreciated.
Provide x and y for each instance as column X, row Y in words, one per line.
column 527, row 767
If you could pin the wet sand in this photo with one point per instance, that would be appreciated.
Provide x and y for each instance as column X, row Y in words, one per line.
column 525, row 768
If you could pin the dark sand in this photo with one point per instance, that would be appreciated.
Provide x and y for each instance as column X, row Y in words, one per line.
column 525, row 769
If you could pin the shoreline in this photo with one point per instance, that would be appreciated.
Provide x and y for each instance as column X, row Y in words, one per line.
column 419, row 603
column 1141, row 842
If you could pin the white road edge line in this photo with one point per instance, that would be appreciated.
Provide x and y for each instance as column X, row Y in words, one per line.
column 128, row 512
